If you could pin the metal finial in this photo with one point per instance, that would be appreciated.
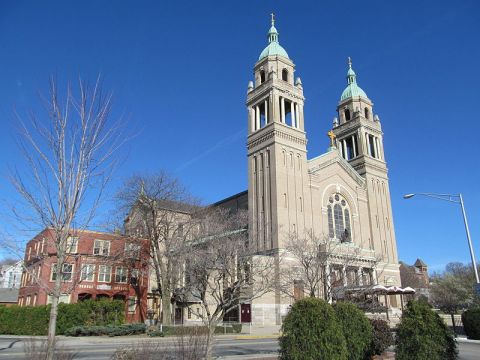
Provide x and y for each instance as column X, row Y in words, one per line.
column 273, row 18
column 349, row 62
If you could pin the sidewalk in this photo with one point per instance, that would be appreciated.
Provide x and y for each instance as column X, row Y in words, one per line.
column 259, row 331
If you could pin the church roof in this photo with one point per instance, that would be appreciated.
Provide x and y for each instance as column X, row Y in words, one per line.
column 273, row 48
column 352, row 89
column 420, row 263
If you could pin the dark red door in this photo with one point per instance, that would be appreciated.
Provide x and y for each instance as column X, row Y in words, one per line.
column 246, row 314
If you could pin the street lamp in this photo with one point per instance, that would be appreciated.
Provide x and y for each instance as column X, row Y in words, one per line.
column 458, row 200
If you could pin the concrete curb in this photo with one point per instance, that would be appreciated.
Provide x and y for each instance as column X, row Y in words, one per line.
column 465, row 340
column 249, row 357
column 250, row 337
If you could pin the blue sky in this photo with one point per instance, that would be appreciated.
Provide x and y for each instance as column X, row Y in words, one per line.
column 179, row 71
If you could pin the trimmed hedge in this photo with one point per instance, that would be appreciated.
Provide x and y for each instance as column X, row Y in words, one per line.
column 382, row 337
column 179, row 330
column 119, row 330
column 422, row 334
column 471, row 323
column 356, row 329
column 28, row 320
column 311, row 330
column 33, row 320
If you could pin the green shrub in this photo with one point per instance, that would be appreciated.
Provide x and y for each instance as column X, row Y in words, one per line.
column 26, row 320
column 471, row 323
column 382, row 337
column 33, row 320
column 155, row 333
column 237, row 328
column 118, row 330
column 311, row 331
column 356, row 329
column 422, row 335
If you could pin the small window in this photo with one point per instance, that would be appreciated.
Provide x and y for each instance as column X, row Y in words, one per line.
column 262, row 76
column 134, row 277
column 367, row 113
column 101, row 247
column 285, row 75
column 121, row 274
column 72, row 245
column 67, row 271
column 132, row 250
column 104, row 273
column 347, row 114
column 88, row 272
column 132, row 304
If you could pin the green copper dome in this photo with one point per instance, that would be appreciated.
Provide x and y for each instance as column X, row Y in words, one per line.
column 352, row 89
column 273, row 48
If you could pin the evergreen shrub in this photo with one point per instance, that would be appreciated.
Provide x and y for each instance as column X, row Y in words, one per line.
column 33, row 320
column 471, row 323
column 356, row 329
column 312, row 331
column 423, row 335
column 112, row 330
column 382, row 337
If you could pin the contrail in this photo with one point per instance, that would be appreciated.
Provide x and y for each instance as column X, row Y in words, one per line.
column 228, row 140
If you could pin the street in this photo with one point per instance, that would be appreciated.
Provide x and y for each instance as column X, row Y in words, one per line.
column 101, row 348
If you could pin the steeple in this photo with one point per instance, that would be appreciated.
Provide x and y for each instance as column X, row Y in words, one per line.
column 352, row 89
column 273, row 48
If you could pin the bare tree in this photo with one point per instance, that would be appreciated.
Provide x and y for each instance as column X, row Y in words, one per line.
column 160, row 210
column 322, row 267
column 452, row 290
column 69, row 157
column 221, row 270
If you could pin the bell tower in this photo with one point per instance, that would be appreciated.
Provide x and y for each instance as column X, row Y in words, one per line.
column 359, row 140
column 277, row 154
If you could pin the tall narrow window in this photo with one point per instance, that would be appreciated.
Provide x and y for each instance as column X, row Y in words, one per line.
column 339, row 223
column 338, row 218
column 285, row 75
column 367, row 113
column 347, row 114
column 262, row 76
column 371, row 144
column 331, row 233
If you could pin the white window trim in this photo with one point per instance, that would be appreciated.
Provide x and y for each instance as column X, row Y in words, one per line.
column 69, row 249
column 125, row 274
column 102, row 247
column 72, row 272
column 91, row 273
column 99, row 272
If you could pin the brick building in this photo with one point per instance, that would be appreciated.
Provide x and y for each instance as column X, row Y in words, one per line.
column 98, row 265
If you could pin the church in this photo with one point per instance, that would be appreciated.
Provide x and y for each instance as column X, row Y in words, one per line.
column 342, row 195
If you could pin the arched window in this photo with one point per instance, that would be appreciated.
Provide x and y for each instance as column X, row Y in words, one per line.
column 339, row 224
column 285, row 75
column 347, row 114
column 367, row 113
column 262, row 76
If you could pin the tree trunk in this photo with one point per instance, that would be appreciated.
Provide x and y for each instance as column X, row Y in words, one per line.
column 52, row 323
column 453, row 324
column 210, row 335
column 166, row 309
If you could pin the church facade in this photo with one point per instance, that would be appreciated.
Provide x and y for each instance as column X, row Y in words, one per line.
column 342, row 195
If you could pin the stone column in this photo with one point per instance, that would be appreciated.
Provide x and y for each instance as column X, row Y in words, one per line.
column 328, row 284
column 344, row 275
column 345, row 153
column 283, row 110
column 292, row 111
column 266, row 111
column 360, row 276
column 257, row 116
column 354, row 143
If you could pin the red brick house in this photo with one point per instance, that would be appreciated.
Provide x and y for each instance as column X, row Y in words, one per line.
column 98, row 265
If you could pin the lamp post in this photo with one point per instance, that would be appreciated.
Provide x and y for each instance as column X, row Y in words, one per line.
column 455, row 198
